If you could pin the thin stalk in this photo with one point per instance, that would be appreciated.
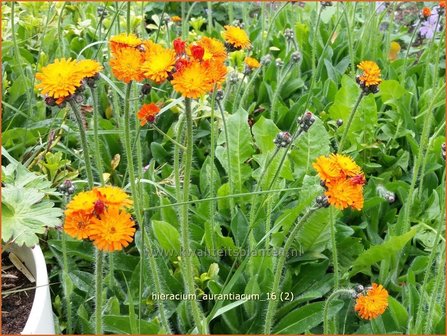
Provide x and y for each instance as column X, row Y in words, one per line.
column 238, row 90
column 128, row 17
column 334, row 248
column 177, row 158
column 212, row 156
column 272, row 305
column 350, row 44
column 88, row 165
column 138, row 212
column 187, row 262
column 404, row 67
column 348, row 124
column 98, row 159
column 65, row 279
column 314, row 45
column 227, row 142
column 278, row 90
column 269, row 29
column 167, row 136
column 210, row 17
column 201, row 200
column 326, row 307
column 98, row 292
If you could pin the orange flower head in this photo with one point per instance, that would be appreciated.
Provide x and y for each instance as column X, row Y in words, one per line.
column 343, row 194
column 147, row 113
column 326, row 169
column 77, row 223
column 394, row 51
column 113, row 230
column 373, row 304
column 192, row 80
column 84, row 201
column 124, row 40
column 236, row 37
column 59, row 79
column 176, row 18
column 214, row 49
column 371, row 73
column 158, row 64
column 88, row 68
column 426, row 12
column 113, row 197
column 216, row 71
column 345, row 165
column 252, row 63
column 126, row 65
column 442, row 4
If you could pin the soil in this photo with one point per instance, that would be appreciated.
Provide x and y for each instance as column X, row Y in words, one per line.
column 15, row 307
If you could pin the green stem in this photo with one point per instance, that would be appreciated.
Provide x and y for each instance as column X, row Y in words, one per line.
column 128, row 17
column 177, row 158
column 167, row 136
column 334, row 248
column 187, row 262
column 440, row 273
column 65, row 280
column 272, row 304
column 238, row 90
column 227, row 142
column 98, row 292
column 212, row 156
column 404, row 67
column 326, row 306
column 210, row 17
column 88, row 165
column 98, row 159
column 266, row 38
column 138, row 212
column 348, row 124
column 278, row 90
column 314, row 45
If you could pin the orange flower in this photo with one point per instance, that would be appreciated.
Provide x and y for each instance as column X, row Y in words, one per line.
column 214, row 49
column 84, row 201
column 236, row 37
column 113, row 196
column 88, row 68
column 124, row 40
column 394, row 51
column 371, row 73
column 179, row 45
column 252, row 63
column 192, row 80
column 325, row 169
column 373, row 304
column 77, row 223
column 113, row 230
column 345, row 166
column 343, row 194
column 426, row 12
column 59, row 79
column 148, row 113
column 158, row 63
column 216, row 71
column 176, row 18
column 126, row 65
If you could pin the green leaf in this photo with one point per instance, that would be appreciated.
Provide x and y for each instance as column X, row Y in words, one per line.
column 390, row 91
column 82, row 280
column 398, row 313
column 306, row 318
column 315, row 234
column 241, row 149
column 121, row 325
column 239, row 227
column 168, row 237
column 380, row 252
column 27, row 215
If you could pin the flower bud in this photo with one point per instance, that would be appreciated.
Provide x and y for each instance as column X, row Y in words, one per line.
column 219, row 95
column 296, row 57
column 283, row 139
column 288, row 34
column 266, row 59
column 339, row 122
column 50, row 101
column 279, row 62
column 146, row 89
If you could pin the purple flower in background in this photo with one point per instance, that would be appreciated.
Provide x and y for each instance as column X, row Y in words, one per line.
column 430, row 26
column 380, row 6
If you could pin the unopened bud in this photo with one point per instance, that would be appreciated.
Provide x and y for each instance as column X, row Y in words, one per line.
column 296, row 56
column 283, row 139
column 146, row 89
column 339, row 122
column 50, row 101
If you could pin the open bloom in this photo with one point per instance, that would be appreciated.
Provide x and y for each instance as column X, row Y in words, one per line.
column 59, row 79
column 371, row 73
column 430, row 26
column 213, row 49
column 113, row 230
column 88, row 68
column 192, row 80
column 126, row 64
column 343, row 194
column 252, row 63
column 147, row 113
column 336, row 167
column 124, row 40
column 77, row 223
column 159, row 61
column 373, row 304
column 236, row 37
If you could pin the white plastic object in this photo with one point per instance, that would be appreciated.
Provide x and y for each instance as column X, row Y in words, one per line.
column 40, row 320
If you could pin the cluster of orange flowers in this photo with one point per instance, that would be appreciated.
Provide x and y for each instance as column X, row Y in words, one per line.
column 343, row 180
column 101, row 215
column 372, row 304
column 61, row 79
